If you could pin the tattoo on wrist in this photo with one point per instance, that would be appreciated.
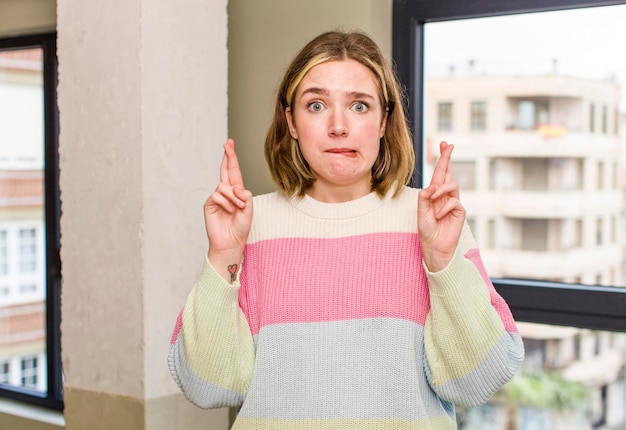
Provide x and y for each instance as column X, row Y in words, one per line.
column 232, row 269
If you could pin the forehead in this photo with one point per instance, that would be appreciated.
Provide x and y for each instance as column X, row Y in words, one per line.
column 344, row 75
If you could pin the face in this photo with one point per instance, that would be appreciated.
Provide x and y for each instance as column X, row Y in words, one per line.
column 338, row 119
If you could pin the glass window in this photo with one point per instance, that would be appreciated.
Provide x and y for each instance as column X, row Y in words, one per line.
column 536, row 151
column 28, row 250
column 478, row 116
column 564, row 383
column 29, row 216
column 28, row 377
column 4, row 372
column 546, row 155
column 444, row 116
column 465, row 174
column 4, row 257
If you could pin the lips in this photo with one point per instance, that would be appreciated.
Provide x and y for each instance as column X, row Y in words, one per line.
column 343, row 151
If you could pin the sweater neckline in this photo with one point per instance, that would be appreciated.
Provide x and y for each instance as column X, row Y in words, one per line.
column 344, row 210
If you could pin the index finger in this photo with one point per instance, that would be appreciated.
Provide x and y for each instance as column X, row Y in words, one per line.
column 443, row 168
column 234, row 172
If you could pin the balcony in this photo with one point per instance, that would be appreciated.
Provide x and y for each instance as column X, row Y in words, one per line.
column 564, row 264
column 527, row 143
column 542, row 204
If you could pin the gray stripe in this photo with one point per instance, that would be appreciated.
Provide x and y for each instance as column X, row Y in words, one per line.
column 499, row 366
column 199, row 392
column 354, row 369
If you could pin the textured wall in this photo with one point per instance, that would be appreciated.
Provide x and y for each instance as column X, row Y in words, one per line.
column 27, row 16
column 143, row 114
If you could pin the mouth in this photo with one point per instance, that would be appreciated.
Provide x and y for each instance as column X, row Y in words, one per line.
column 343, row 151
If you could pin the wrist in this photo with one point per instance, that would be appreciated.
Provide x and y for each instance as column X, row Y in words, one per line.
column 226, row 262
column 436, row 262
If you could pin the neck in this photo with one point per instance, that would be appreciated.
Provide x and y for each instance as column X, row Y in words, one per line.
column 337, row 193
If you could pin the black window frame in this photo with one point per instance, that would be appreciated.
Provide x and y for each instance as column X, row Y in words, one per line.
column 586, row 306
column 53, row 398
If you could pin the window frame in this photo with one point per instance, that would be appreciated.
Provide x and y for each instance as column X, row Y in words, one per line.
column 586, row 306
column 53, row 398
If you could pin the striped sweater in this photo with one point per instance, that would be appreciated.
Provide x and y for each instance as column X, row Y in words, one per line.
column 334, row 322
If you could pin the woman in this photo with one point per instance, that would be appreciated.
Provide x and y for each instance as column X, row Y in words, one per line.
column 345, row 300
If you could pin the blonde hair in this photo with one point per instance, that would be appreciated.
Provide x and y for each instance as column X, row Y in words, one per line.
column 396, row 159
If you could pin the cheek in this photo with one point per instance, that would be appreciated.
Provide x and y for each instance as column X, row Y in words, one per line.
column 308, row 130
column 371, row 131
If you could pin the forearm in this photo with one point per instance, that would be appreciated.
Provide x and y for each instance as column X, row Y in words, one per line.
column 466, row 341
column 212, row 351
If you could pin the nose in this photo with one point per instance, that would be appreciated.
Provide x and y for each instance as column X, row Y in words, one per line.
column 337, row 123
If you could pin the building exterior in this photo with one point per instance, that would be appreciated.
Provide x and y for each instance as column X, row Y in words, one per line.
column 539, row 160
column 22, row 259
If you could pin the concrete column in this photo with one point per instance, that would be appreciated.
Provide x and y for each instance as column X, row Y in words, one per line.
column 143, row 115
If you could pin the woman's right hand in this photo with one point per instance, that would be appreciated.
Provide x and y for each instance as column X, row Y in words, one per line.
column 228, row 217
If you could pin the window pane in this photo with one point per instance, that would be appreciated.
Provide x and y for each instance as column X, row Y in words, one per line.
column 572, row 379
column 444, row 116
column 544, row 178
column 479, row 116
column 22, row 248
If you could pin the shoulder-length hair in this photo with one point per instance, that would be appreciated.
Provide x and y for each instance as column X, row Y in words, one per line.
column 396, row 159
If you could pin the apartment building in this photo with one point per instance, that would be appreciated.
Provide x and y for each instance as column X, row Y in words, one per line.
column 539, row 160
column 22, row 270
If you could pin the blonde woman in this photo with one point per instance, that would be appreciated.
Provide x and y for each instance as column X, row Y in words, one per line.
column 346, row 299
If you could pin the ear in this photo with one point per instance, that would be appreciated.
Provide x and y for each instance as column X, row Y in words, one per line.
column 290, row 122
column 383, row 123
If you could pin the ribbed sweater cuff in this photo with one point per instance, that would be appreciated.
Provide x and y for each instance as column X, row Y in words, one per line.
column 216, row 289
column 459, row 277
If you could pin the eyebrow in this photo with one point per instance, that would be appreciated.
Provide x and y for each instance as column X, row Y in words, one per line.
column 325, row 92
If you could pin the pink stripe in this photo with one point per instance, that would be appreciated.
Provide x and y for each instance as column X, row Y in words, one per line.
column 278, row 288
column 177, row 327
column 496, row 300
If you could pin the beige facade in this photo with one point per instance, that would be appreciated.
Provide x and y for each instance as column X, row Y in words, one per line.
column 538, row 162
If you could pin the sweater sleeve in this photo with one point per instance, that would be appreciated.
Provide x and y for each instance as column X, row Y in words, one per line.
column 471, row 341
column 212, row 351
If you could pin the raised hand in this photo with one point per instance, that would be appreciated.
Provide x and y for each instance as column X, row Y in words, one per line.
column 440, row 214
column 228, row 216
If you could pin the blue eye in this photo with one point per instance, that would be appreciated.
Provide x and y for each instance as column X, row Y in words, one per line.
column 360, row 107
column 316, row 107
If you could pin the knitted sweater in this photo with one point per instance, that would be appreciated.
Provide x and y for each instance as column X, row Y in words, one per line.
column 335, row 323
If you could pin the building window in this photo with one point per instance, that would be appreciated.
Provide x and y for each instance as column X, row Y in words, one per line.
column 534, row 235
column 605, row 120
column 599, row 229
column 4, row 257
column 30, row 269
column 491, row 234
column 478, row 113
column 465, row 173
column 592, row 118
column 444, row 116
column 532, row 113
column 4, row 372
column 28, row 250
column 578, row 241
column 600, row 181
column 28, row 377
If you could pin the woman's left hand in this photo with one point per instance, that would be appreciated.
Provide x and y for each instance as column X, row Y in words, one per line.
column 440, row 214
